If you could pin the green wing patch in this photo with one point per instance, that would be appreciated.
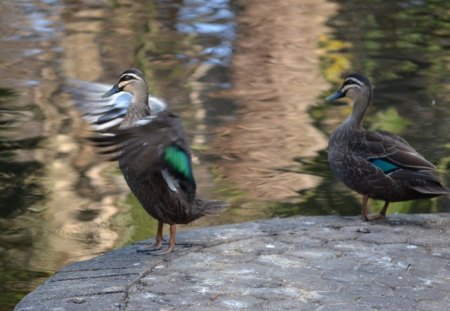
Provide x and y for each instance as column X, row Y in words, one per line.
column 178, row 161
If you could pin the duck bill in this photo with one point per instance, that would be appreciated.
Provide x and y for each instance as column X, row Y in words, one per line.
column 115, row 89
column 334, row 96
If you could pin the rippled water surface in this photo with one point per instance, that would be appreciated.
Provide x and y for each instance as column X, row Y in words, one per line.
column 247, row 77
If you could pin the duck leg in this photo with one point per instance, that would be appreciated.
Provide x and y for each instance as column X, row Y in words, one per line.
column 172, row 239
column 159, row 235
column 382, row 213
column 364, row 210
column 158, row 240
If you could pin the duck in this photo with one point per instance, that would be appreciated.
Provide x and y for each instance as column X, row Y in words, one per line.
column 153, row 155
column 105, row 113
column 377, row 164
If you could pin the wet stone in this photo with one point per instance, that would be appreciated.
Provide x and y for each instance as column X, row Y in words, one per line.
column 299, row 263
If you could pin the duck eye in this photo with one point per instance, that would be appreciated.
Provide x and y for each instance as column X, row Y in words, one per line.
column 127, row 78
column 349, row 82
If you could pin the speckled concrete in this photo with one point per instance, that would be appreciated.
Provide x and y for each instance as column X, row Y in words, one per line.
column 300, row 263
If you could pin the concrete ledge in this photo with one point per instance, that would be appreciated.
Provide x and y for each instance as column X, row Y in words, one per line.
column 300, row 263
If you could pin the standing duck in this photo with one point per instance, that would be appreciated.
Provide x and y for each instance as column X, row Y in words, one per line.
column 379, row 164
column 154, row 157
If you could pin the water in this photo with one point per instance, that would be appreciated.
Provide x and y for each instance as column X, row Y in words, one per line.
column 248, row 80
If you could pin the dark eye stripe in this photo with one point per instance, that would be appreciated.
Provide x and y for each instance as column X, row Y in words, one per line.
column 127, row 78
column 353, row 81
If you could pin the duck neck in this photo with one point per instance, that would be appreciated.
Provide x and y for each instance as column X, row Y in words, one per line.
column 360, row 104
column 138, row 107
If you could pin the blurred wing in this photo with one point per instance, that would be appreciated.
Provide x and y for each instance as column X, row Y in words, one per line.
column 158, row 144
column 178, row 162
column 105, row 113
column 142, row 143
column 178, row 170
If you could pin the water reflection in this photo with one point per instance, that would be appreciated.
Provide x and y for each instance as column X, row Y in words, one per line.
column 214, row 22
column 251, row 101
column 18, row 186
column 276, row 80
column 60, row 203
column 406, row 65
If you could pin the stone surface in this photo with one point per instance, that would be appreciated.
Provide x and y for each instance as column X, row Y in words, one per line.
column 300, row 263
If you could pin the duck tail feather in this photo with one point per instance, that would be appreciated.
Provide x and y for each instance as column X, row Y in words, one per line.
column 436, row 189
column 209, row 207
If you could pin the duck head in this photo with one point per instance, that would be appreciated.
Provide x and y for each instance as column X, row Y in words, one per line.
column 131, row 81
column 359, row 89
column 353, row 86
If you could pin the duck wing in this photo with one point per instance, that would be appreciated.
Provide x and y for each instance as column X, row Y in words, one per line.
column 105, row 113
column 394, row 151
column 156, row 143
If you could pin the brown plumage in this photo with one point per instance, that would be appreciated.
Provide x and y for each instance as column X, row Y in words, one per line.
column 378, row 165
column 155, row 160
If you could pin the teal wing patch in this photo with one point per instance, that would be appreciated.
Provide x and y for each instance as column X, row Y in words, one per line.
column 384, row 165
column 179, row 162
